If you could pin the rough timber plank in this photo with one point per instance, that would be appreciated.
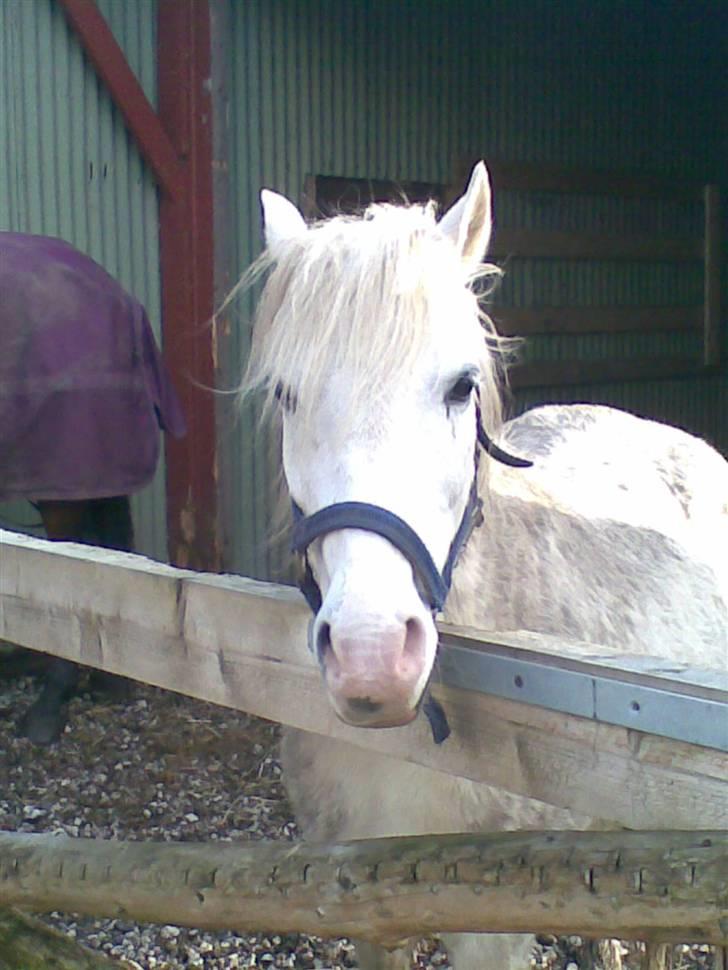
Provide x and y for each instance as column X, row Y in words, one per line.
column 645, row 885
column 242, row 644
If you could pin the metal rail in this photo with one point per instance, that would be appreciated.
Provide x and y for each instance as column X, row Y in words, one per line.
column 644, row 693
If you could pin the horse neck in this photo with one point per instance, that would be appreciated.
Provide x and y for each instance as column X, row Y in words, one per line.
column 534, row 565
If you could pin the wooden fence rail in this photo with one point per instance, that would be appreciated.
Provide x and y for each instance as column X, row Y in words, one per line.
column 644, row 885
column 242, row 644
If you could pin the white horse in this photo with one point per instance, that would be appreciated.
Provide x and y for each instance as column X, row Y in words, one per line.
column 370, row 337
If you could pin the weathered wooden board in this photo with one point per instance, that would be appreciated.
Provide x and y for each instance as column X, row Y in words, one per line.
column 242, row 644
column 554, row 244
column 663, row 886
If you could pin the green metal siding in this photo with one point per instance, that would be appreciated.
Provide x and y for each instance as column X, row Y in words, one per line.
column 403, row 90
column 69, row 168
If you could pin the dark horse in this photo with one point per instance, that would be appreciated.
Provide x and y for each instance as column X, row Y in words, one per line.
column 83, row 394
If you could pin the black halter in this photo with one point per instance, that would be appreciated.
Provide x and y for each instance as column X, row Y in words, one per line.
column 433, row 585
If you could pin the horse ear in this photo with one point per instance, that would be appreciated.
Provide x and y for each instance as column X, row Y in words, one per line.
column 469, row 221
column 281, row 219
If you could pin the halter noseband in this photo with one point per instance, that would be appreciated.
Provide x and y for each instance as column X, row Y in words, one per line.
column 433, row 585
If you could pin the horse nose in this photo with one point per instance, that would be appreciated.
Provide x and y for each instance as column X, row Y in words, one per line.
column 374, row 677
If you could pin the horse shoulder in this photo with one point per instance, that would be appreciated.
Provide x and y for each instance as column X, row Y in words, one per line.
column 560, row 554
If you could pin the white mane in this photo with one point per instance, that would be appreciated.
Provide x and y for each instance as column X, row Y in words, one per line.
column 358, row 292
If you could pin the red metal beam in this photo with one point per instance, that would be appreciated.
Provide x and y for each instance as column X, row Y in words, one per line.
column 187, row 260
column 112, row 68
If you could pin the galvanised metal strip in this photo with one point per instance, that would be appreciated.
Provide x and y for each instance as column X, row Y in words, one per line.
column 643, row 693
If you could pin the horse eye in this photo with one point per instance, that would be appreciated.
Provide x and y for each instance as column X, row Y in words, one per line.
column 285, row 397
column 461, row 390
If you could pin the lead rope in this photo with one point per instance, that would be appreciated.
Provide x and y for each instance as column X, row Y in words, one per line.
column 436, row 717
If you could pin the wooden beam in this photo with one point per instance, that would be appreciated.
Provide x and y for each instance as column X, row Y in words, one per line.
column 242, row 644
column 549, row 373
column 659, row 886
column 525, row 321
column 559, row 244
column 103, row 51
column 535, row 177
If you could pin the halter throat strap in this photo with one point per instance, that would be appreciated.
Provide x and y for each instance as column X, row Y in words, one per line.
column 494, row 450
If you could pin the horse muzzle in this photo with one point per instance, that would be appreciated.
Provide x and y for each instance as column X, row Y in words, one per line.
column 376, row 681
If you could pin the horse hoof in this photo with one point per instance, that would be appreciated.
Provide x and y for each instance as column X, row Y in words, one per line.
column 111, row 687
column 42, row 727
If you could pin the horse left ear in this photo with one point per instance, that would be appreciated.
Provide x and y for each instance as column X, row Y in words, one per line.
column 281, row 219
column 469, row 221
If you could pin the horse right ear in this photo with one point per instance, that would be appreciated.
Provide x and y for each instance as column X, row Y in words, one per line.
column 281, row 219
column 469, row 221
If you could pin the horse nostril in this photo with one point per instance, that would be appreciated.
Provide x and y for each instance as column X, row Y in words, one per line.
column 363, row 705
column 414, row 641
column 323, row 641
column 413, row 650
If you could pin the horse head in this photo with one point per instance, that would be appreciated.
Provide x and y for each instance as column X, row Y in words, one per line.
column 369, row 339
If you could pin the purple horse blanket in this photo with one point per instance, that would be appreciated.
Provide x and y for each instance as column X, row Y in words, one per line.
column 83, row 389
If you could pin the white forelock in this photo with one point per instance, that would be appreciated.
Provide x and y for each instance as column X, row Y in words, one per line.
column 359, row 294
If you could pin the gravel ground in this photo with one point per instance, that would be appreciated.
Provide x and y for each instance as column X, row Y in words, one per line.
column 165, row 767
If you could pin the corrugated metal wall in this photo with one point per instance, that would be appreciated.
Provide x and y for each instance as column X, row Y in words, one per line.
column 69, row 168
column 394, row 89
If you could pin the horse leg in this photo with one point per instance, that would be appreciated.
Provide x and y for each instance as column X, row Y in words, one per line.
column 44, row 721
column 657, row 956
column 489, row 951
column 340, row 792
column 608, row 954
column 109, row 524
column 373, row 957
column 467, row 951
